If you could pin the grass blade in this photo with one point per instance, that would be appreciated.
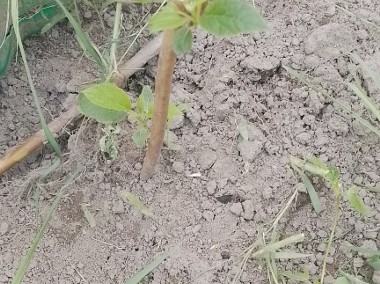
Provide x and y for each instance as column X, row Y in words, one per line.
column 84, row 40
column 147, row 269
column 302, row 77
column 23, row 267
column 361, row 93
column 49, row 136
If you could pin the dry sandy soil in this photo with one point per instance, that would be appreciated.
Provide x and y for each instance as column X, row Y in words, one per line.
column 209, row 218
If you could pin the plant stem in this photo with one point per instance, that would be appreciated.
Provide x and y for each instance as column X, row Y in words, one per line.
column 332, row 234
column 166, row 63
column 115, row 39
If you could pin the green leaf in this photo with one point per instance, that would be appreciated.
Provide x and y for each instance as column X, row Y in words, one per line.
column 108, row 96
column 140, row 136
column 173, row 113
column 352, row 279
column 183, row 40
column 135, row 279
column 374, row 262
column 230, row 17
column 290, row 255
column 167, row 19
column 98, row 113
column 356, row 202
column 312, row 193
column 135, row 201
column 145, row 100
column 89, row 217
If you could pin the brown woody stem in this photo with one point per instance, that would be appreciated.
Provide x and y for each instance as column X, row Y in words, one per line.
column 166, row 63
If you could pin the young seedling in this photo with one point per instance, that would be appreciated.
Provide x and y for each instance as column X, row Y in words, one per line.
column 222, row 18
column 331, row 175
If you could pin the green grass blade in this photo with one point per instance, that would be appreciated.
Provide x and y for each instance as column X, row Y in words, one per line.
column 272, row 247
column 23, row 267
column 84, row 40
column 362, row 94
column 49, row 136
column 302, row 77
column 353, row 279
column 147, row 269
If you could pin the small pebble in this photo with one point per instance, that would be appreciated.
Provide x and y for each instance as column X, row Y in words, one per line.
column 118, row 207
column 248, row 210
column 236, row 209
column 211, row 187
column 178, row 167
column 4, row 228
column 197, row 228
column 208, row 215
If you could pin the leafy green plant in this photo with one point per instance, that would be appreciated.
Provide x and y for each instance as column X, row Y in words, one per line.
column 330, row 174
column 177, row 19
column 107, row 142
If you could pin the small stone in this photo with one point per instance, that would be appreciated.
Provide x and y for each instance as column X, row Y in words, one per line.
column 178, row 167
column 248, row 210
column 119, row 226
column 322, row 234
column 207, row 158
column 138, row 166
column 87, row 14
column 249, row 149
column 225, row 255
column 3, row 279
column 321, row 247
column 236, row 209
column 4, row 228
column 301, row 187
column 376, row 277
column 118, row 207
column 330, row 11
column 80, row 265
column 197, row 228
column 370, row 234
column 303, row 138
column 358, row 262
column 208, row 215
column 211, row 187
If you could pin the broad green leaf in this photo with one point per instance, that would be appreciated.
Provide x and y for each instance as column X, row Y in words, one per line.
column 145, row 100
column 135, row 279
column 312, row 193
column 352, row 279
column 374, row 262
column 108, row 96
column 362, row 250
column 356, row 202
column 89, row 217
column 167, row 19
column 173, row 113
column 183, row 40
column 135, row 201
column 169, row 141
column 140, row 136
column 98, row 113
column 226, row 18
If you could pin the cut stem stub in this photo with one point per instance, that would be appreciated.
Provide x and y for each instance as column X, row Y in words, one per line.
column 166, row 64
